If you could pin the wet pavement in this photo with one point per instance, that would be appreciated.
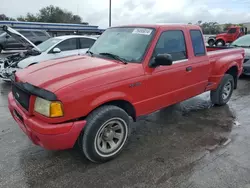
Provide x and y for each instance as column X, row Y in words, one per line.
column 188, row 145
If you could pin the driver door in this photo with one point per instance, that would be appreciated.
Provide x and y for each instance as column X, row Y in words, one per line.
column 166, row 83
column 231, row 35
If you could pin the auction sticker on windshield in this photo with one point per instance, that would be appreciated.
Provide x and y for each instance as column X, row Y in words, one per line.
column 142, row 31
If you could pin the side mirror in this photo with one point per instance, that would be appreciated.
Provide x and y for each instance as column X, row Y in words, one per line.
column 161, row 60
column 56, row 50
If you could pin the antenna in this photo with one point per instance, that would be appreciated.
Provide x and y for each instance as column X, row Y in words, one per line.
column 109, row 13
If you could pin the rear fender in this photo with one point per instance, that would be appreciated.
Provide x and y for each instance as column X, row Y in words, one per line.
column 221, row 38
column 222, row 65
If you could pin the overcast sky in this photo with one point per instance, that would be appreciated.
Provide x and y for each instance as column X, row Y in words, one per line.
column 139, row 11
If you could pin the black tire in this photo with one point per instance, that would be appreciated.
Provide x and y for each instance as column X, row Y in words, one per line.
column 94, row 133
column 218, row 96
column 220, row 41
column 211, row 42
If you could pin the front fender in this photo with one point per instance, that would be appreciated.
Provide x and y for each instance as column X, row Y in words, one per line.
column 108, row 97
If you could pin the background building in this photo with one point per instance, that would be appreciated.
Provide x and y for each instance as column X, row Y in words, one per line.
column 56, row 29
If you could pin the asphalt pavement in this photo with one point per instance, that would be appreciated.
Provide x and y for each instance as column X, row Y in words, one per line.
column 192, row 144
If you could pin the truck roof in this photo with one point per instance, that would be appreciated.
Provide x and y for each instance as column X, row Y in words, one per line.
column 161, row 25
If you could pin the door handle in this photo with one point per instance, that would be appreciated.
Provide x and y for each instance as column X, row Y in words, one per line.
column 189, row 69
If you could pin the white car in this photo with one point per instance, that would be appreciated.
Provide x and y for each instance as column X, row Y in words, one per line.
column 53, row 48
column 59, row 47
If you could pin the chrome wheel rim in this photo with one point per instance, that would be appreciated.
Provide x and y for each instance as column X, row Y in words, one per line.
column 226, row 90
column 111, row 137
column 219, row 44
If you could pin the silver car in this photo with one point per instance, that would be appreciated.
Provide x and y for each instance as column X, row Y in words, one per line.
column 8, row 42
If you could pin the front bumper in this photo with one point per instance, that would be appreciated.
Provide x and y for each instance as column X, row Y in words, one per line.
column 6, row 72
column 49, row 136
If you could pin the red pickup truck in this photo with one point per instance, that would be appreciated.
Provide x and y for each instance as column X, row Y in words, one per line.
column 232, row 33
column 130, row 71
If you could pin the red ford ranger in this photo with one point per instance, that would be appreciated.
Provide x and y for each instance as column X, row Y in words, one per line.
column 233, row 33
column 130, row 71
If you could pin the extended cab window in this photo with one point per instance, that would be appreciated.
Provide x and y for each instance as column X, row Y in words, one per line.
column 197, row 42
column 173, row 43
column 68, row 44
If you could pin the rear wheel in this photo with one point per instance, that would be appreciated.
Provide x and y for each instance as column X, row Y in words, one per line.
column 105, row 134
column 220, row 43
column 224, row 91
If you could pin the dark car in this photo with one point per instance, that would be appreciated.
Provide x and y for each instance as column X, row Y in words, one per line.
column 244, row 42
column 35, row 36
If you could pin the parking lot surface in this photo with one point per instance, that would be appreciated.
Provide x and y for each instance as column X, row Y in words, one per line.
column 188, row 145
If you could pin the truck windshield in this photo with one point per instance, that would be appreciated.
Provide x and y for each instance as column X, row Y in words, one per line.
column 243, row 41
column 128, row 43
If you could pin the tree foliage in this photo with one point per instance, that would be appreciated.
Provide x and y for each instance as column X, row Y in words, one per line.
column 4, row 17
column 227, row 25
column 52, row 14
column 210, row 28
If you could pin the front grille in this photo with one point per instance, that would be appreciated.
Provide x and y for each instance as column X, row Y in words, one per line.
column 245, row 60
column 22, row 97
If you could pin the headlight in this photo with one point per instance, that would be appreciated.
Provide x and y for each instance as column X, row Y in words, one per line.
column 48, row 108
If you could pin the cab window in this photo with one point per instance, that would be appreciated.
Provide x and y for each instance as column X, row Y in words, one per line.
column 173, row 43
column 232, row 30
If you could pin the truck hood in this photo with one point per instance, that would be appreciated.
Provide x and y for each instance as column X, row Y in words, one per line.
column 55, row 74
column 19, row 37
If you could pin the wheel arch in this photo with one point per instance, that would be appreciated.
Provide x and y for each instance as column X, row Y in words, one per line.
column 233, row 70
column 123, row 104
column 220, row 39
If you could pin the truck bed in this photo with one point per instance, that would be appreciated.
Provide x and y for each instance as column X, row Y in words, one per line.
column 224, row 51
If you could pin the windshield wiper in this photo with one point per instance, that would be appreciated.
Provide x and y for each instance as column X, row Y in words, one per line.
column 91, row 53
column 116, row 57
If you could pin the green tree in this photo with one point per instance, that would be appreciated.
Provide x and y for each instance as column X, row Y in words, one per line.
column 29, row 18
column 227, row 25
column 4, row 17
column 210, row 28
column 52, row 14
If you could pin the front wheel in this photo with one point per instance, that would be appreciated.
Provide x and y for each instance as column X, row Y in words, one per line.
column 211, row 42
column 224, row 91
column 105, row 134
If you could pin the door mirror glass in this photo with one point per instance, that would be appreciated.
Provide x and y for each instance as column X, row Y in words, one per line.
column 56, row 50
column 162, row 60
